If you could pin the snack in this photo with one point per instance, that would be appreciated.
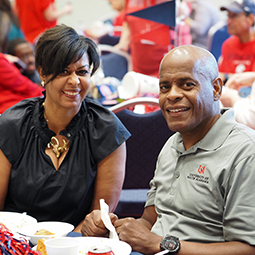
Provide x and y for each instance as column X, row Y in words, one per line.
column 41, row 246
column 43, row 232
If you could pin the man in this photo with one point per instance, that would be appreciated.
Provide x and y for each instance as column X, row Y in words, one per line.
column 202, row 193
column 25, row 52
column 14, row 86
column 238, row 51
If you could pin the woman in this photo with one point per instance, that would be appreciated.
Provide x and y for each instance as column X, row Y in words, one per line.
column 60, row 154
column 5, row 27
column 15, row 32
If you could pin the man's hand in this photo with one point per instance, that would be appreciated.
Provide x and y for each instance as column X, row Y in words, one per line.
column 137, row 235
column 94, row 226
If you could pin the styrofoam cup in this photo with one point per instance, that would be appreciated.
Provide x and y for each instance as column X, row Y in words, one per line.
column 134, row 83
column 62, row 246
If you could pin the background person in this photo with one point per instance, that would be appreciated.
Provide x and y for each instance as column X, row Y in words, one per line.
column 37, row 16
column 141, row 37
column 244, row 108
column 5, row 27
column 61, row 153
column 14, row 87
column 14, row 32
column 203, row 16
column 108, row 31
column 238, row 51
column 201, row 197
column 25, row 52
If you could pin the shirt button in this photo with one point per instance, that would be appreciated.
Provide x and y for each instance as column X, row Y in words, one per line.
column 177, row 175
column 68, row 135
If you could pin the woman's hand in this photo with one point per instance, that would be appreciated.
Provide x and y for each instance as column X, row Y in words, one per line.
column 94, row 226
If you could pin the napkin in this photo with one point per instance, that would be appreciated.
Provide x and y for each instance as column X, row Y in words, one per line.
column 106, row 220
column 162, row 252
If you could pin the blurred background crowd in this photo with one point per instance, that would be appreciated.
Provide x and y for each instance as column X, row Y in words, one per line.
column 131, row 47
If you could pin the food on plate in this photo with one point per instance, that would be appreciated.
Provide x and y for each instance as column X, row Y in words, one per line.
column 43, row 232
column 41, row 246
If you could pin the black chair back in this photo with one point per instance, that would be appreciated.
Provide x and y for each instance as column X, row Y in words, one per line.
column 149, row 134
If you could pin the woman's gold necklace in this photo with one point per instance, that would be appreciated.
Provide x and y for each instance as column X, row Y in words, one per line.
column 58, row 150
column 54, row 142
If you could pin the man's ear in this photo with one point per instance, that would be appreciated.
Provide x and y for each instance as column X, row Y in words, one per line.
column 251, row 18
column 217, row 88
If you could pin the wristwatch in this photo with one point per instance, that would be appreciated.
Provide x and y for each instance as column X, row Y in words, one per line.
column 170, row 243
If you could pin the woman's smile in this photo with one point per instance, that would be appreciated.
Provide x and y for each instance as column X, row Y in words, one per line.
column 71, row 93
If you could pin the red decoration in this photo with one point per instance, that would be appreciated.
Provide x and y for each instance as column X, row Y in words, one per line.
column 12, row 246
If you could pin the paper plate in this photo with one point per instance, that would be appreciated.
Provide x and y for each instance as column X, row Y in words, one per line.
column 118, row 247
column 57, row 229
column 14, row 221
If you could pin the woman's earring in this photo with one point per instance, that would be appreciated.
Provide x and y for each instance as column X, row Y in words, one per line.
column 42, row 83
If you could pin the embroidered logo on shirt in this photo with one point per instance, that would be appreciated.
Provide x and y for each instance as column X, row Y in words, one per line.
column 199, row 176
column 201, row 169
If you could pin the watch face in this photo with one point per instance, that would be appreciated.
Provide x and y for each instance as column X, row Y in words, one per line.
column 170, row 243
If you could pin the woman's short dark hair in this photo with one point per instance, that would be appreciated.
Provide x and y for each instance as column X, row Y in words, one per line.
column 61, row 46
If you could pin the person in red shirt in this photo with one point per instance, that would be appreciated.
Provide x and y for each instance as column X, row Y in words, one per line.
column 146, row 53
column 118, row 20
column 14, row 86
column 37, row 16
column 107, row 31
column 148, row 41
column 238, row 51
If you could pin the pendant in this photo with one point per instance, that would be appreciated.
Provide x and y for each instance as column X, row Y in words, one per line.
column 58, row 150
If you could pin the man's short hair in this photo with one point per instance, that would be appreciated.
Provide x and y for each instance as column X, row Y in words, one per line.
column 12, row 45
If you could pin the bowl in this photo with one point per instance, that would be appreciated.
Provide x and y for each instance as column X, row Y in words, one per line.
column 14, row 221
column 57, row 228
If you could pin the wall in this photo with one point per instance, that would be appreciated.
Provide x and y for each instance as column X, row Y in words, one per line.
column 85, row 12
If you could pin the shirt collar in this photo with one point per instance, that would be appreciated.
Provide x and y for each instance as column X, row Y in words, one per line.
column 69, row 132
column 215, row 136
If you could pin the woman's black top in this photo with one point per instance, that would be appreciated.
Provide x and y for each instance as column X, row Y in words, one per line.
column 35, row 186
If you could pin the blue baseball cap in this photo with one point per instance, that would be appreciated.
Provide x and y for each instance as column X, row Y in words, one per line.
column 239, row 6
